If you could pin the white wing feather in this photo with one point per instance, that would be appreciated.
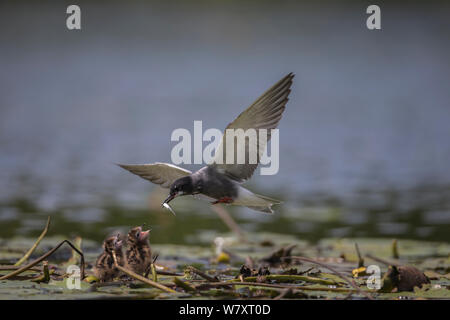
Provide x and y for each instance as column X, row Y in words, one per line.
column 163, row 174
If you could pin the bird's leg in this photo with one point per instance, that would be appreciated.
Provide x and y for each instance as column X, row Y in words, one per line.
column 223, row 200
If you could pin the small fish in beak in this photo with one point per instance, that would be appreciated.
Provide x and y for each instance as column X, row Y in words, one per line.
column 166, row 205
column 170, row 197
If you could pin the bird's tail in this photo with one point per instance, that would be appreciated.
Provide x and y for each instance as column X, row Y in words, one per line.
column 265, row 207
column 254, row 201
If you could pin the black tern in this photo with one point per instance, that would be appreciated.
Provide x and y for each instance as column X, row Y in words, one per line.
column 220, row 182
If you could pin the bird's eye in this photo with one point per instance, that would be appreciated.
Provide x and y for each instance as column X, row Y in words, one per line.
column 138, row 234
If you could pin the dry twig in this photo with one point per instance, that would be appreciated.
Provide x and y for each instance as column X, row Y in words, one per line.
column 141, row 278
column 31, row 250
column 45, row 256
column 202, row 274
column 336, row 273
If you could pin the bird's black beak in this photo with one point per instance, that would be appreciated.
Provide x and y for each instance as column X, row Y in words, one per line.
column 165, row 204
column 170, row 198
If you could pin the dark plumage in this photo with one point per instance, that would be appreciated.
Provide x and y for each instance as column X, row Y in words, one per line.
column 138, row 253
column 104, row 268
column 220, row 181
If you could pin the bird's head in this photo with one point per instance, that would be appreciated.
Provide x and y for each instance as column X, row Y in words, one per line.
column 180, row 187
column 112, row 244
column 137, row 236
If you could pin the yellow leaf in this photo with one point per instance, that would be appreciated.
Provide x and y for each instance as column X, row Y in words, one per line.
column 223, row 258
column 359, row 272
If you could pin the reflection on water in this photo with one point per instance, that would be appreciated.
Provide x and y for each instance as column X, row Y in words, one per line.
column 420, row 214
column 368, row 111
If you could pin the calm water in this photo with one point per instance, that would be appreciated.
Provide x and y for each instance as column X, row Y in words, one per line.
column 364, row 140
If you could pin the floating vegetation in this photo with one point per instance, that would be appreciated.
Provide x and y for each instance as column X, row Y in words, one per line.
column 265, row 266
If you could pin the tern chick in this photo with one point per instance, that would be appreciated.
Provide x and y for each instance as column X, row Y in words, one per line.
column 104, row 268
column 138, row 253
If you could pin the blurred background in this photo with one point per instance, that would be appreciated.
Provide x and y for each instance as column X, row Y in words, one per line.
column 364, row 141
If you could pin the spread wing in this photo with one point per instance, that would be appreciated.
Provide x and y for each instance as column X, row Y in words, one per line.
column 264, row 113
column 163, row 174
